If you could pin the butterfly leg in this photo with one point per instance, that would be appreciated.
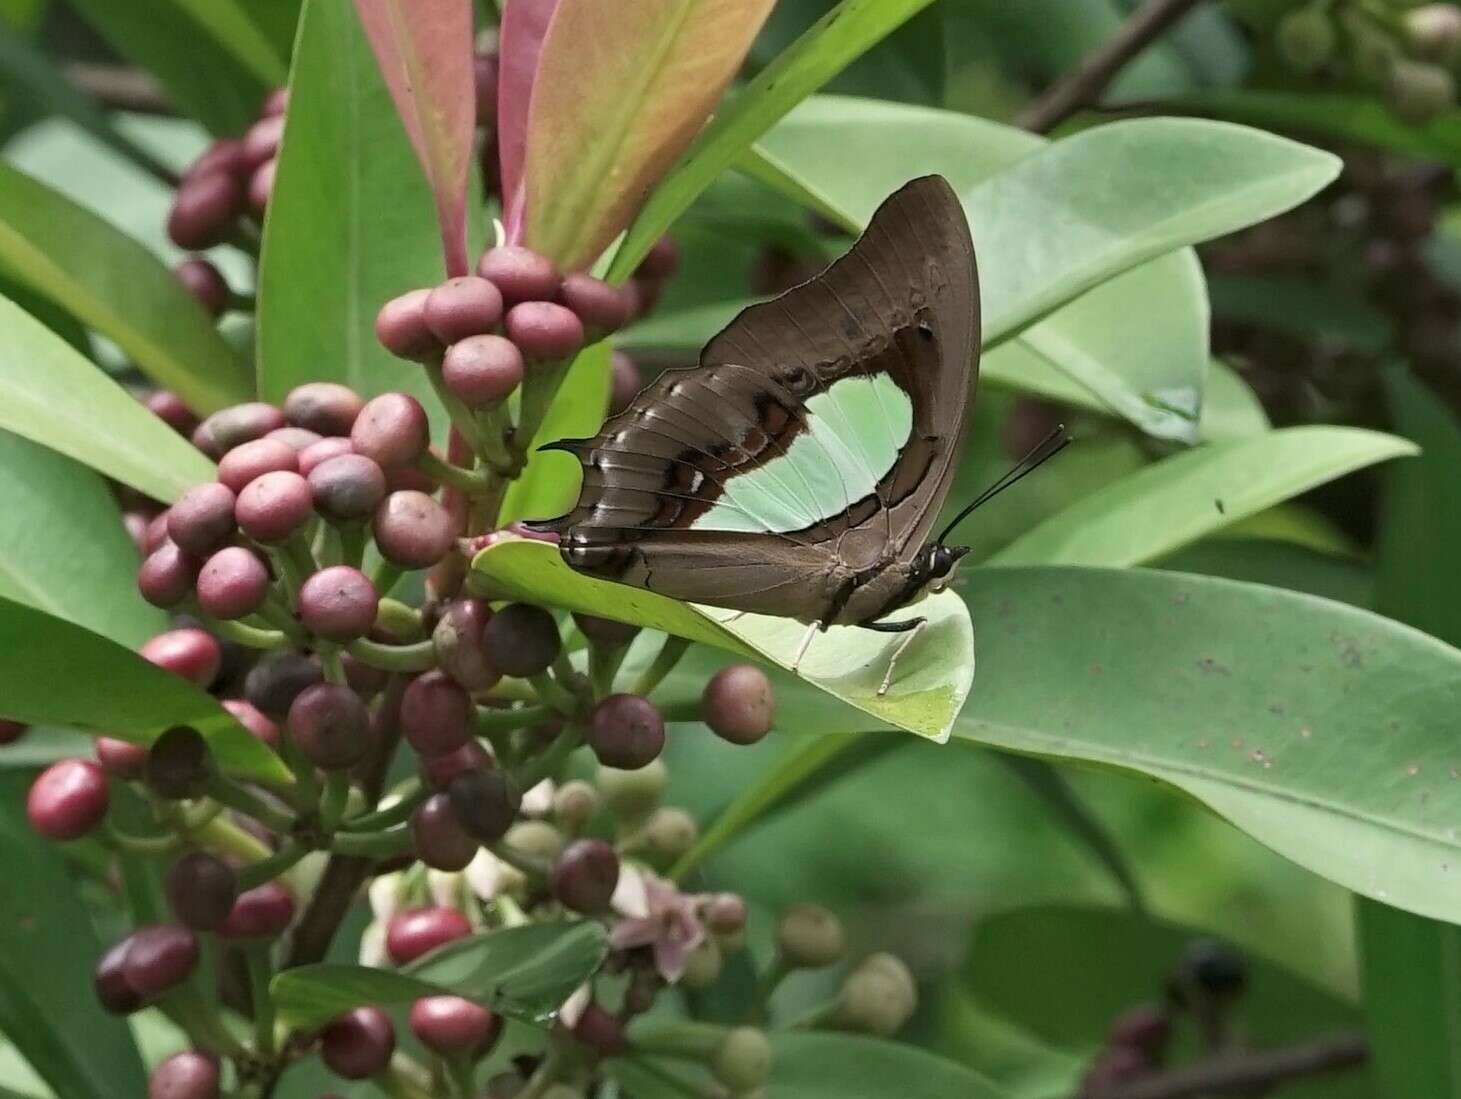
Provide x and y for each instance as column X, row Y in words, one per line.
column 805, row 645
column 912, row 627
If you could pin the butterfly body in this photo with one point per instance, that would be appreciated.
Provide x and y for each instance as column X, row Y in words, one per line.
column 798, row 469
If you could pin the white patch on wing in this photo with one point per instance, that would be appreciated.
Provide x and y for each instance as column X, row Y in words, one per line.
column 857, row 427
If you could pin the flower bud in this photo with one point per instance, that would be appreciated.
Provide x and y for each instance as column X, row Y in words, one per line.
column 1434, row 31
column 743, row 1060
column 809, row 937
column 632, row 795
column 878, row 997
column 1306, row 38
column 574, row 804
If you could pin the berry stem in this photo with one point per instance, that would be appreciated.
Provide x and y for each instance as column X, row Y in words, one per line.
column 261, row 971
column 378, row 845
column 385, row 576
column 472, row 482
column 330, row 663
column 221, row 834
column 352, row 544
column 114, row 837
column 394, row 814
column 329, row 548
column 268, row 869
column 419, row 657
column 398, row 620
column 245, row 801
column 460, row 414
column 664, row 663
column 688, row 1040
column 337, row 795
column 766, row 986
column 195, row 1015
column 815, row 1017
column 396, row 1082
column 554, row 694
column 491, row 721
column 545, row 1076
column 253, row 637
column 547, row 764
column 604, row 662
column 462, row 1072
column 494, row 427
column 279, row 616
column 306, row 792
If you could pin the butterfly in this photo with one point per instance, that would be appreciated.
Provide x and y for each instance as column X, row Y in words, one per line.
column 799, row 468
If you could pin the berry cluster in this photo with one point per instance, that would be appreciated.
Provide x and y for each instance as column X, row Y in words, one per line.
column 1406, row 52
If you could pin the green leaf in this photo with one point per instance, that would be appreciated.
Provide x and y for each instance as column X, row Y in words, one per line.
column 526, row 972
column 548, row 486
column 824, row 50
column 202, row 77
column 117, row 287
column 102, row 686
column 933, row 674
column 232, row 28
column 55, row 397
column 47, row 950
column 1324, row 731
column 49, row 500
column 845, row 1066
column 1230, row 408
column 350, row 222
column 592, row 157
column 1179, row 499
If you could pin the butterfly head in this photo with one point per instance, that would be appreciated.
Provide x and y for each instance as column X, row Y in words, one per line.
column 933, row 568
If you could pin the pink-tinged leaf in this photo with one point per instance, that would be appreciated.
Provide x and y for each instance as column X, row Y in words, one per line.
column 520, row 42
column 622, row 89
column 424, row 48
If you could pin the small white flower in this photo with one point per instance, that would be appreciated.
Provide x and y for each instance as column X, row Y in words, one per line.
column 373, row 946
column 574, row 1007
column 538, row 802
column 385, row 896
column 630, row 897
column 445, row 888
column 489, row 877
column 670, row 927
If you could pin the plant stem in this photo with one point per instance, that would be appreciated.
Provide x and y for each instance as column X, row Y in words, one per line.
column 267, row 869
column 253, row 637
column 261, row 971
column 223, row 835
column 329, row 657
column 473, row 482
column 462, row 1072
column 392, row 815
column 491, row 720
column 139, row 845
column 663, row 664
column 603, row 665
column 375, row 845
column 766, row 986
column 554, row 694
column 547, row 764
column 688, row 1040
column 398, row 620
column 245, row 801
column 545, row 1076
column 385, row 576
column 1247, row 1073
column 352, row 544
column 419, row 657
column 198, row 1018
column 337, row 795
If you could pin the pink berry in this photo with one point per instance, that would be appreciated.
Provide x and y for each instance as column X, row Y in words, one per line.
column 338, row 603
column 402, row 330
column 166, row 576
column 482, row 371
column 392, row 430
column 272, row 507
column 206, row 283
column 170, row 409
column 413, row 530
column 251, row 460
column 254, row 720
column 261, row 913
column 204, row 210
column 436, row 714
column 322, row 452
column 191, row 653
column 261, row 185
column 451, row 1024
column 418, row 931
column 202, row 520
column 520, row 274
column 326, row 408
column 233, row 583
column 359, row 1043
column 463, row 307
column 544, row 331
column 602, row 308
column 261, row 143
column 68, row 799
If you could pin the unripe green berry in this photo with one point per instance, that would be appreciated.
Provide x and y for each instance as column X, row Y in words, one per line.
column 808, row 936
column 702, row 967
column 1306, row 39
column 743, row 1060
column 535, row 839
column 631, row 795
column 1417, row 92
column 574, row 805
column 668, row 834
column 878, row 997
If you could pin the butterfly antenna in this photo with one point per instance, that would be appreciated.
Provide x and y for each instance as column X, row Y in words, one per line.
column 1038, row 455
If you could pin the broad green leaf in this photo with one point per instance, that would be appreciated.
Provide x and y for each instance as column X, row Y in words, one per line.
column 425, row 54
column 1230, row 408
column 231, row 26
column 548, row 486
column 1339, row 314
column 105, row 687
column 350, row 221
column 278, row 21
column 203, row 77
column 53, row 396
column 523, row 971
column 1279, row 565
column 1323, row 731
column 821, row 53
column 114, row 285
column 591, row 156
column 809, row 1065
column 47, row 950
column 1181, row 498
column 933, row 674
column 1084, row 354
column 48, row 501
column 1036, row 967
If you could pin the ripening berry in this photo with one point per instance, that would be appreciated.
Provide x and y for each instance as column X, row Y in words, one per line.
column 662, row 261
column 1147, row 1028
column 626, row 731
column 225, row 155
column 459, row 643
column 481, row 371
column 743, row 1059
column 413, row 932
column 261, row 142
column 601, row 1031
column 317, row 454
column 625, row 383
column 438, row 836
column 121, row 758
column 338, row 603
column 703, row 965
column 1418, row 91
column 326, row 408
column 436, row 714
column 264, row 912
column 170, row 409
column 201, row 889
column 522, row 640
column 186, row 1075
column 585, row 876
column 1434, row 31
column 738, row 704
column 297, row 439
column 276, row 103
column 439, row 770
column 725, row 914
column 534, row 839
column 878, row 997
column 1306, row 38
column 193, row 654
column 574, row 804
column 68, row 799
column 632, row 795
column 544, row 331
column 254, row 720
column 809, row 937
column 331, row 726
column 157, row 532
column 413, row 530
column 11, row 731
column 358, row 1044
column 234, row 426
column 463, row 307
column 261, row 185
column 251, row 460
column 233, row 583
column 392, row 430
column 165, row 577
column 668, row 834
column 347, row 488
column 202, row 520
column 452, row 1025
column 178, row 764
column 520, row 274
column 485, row 802
column 401, row 328
column 276, row 681
column 159, row 958
column 109, row 981
column 204, row 210
column 603, row 309
column 205, row 283
column 273, row 507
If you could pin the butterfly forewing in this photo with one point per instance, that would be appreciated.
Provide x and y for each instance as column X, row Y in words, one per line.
column 817, row 437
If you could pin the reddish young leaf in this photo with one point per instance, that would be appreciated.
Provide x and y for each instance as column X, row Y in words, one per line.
column 424, row 48
column 621, row 90
column 524, row 26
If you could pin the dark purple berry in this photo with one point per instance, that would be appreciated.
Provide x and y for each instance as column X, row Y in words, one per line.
column 232, row 583
column 338, row 603
column 109, row 980
column 520, row 274
column 68, row 799
column 585, row 876
column 662, row 261
column 439, row 770
column 202, row 520
column 234, row 426
column 193, row 654
column 738, row 704
column 605, row 631
column 201, row 889
column 452, row 1025
column 260, row 913
column 11, row 731
column 438, row 837
column 544, row 331
column 186, row 1075
column 626, row 732
column 401, row 327
column 347, row 488
column 481, row 371
column 206, row 283
column 358, row 1044
column 178, row 764
column 463, row 307
column 486, row 803
column 417, row 931
column 326, row 408
column 204, row 210
column 485, row 70
column 522, row 640
column 159, row 958
column 321, row 452
column 1215, row 969
column 272, row 507
column 166, row 575
column 601, row 1031
column 331, row 725
column 600, row 307
column 436, row 714
column 226, row 156
column 276, row 681
column 251, row 460
column 413, row 530
column 460, row 646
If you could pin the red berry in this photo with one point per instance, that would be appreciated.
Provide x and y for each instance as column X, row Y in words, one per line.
column 602, row 308
column 338, row 603
column 272, row 507
column 254, row 720
column 321, row 452
column 261, row 913
column 438, row 836
column 298, row 439
column 233, row 583
column 323, row 407
column 417, row 931
column 401, row 327
column 439, row 770
column 482, row 371
column 193, row 654
column 226, row 156
column 392, row 430
column 463, row 307
column 485, row 802
column 121, row 758
column 359, row 1043
column 413, row 530
column 68, row 799
column 585, row 876
column 109, row 981
column 451, row 1024
column 166, row 575
column 544, row 331
column 253, row 459
column 204, row 210
column 159, row 958
column 186, row 1075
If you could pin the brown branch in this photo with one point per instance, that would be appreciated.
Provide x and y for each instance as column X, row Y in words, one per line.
column 1245, row 1072
column 1083, row 86
column 119, row 87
